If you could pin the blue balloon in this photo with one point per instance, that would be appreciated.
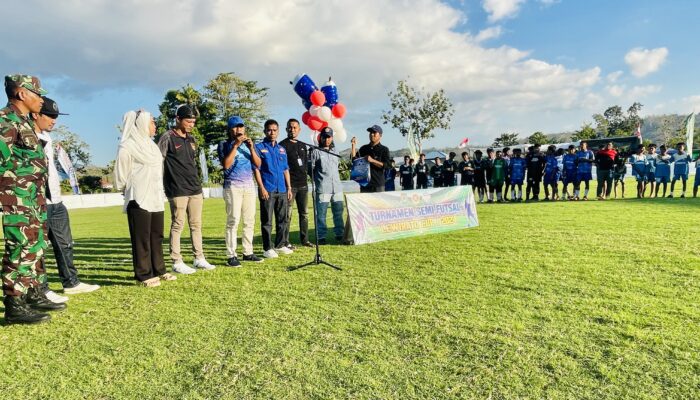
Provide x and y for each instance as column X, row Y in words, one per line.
column 307, row 104
column 331, row 92
column 304, row 86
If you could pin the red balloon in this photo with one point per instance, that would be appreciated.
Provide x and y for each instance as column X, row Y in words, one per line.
column 339, row 110
column 318, row 98
column 305, row 118
column 315, row 123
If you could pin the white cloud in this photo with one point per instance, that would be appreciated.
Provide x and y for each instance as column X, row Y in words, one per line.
column 488, row 33
column 367, row 46
column 616, row 90
column 642, row 62
column 501, row 9
column 635, row 93
column 614, row 76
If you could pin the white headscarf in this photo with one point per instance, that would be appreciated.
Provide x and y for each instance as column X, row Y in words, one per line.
column 139, row 165
column 136, row 137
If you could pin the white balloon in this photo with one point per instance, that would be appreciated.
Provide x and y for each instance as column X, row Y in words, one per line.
column 314, row 110
column 335, row 124
column 325, row 114
column 340, row 135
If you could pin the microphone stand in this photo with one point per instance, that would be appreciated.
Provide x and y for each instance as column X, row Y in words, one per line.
column 317, row 258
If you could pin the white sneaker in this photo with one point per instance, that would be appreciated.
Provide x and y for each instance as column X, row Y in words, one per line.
column 270, row 254
column 55, row 297
column 284, row 250
column 203, row 264
column 81, row 288
column 182, row 268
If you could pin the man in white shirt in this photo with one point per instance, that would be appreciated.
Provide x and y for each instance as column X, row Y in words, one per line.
column 57, row 222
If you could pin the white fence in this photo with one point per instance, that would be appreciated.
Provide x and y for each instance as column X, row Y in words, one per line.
column 117, row 199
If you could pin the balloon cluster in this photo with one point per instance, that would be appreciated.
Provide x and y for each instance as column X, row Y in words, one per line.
column 322, row 107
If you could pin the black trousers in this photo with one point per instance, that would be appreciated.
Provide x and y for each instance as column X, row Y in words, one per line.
column 146, row 231
column 301, row 197
column 421, row 182
column 534, row 184
column 371, row 189
column 275, row 205
column 58, row 227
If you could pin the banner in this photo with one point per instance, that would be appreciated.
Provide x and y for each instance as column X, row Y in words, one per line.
column 67, row 166
column 203, row 166
column 395, row 215
column 690, row 131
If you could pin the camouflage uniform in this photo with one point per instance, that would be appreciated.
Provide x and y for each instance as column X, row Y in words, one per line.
column 23, row 172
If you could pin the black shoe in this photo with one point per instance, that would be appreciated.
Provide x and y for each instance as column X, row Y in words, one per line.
column 339, row 239
column 38, row 301
column 18, row 312
column 322, row 241
column 233, row 262
column 291, row 246
column 252, row 258
column 307, row 244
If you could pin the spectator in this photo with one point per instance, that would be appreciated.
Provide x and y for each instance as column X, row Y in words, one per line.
column 406, row 174
column 329, row 191
column 639, row 169
column 237, row 156
column 274, row 191
column 139, row 172
column 681, row 167
column 421, row 172
column 436, row 172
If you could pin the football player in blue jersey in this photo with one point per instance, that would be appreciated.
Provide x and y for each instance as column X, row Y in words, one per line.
column 584, row 167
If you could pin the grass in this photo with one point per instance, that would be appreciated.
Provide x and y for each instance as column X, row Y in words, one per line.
column 586, row 300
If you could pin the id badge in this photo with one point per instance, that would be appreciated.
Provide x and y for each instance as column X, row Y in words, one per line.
column 301, row 164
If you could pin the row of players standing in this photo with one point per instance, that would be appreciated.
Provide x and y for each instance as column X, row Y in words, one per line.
column 510, row 170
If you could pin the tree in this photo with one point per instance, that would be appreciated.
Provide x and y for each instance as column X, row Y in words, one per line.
column 614, row 122
column 667, row 130
column 90, row 184
column 586, row 132
column 633, row 120
column 231, row 95
column 416, row 113
column 506, row 139
column 538, row 138
column 78, row 151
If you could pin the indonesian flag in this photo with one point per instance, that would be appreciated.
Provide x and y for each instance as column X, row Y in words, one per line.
column 464, row 143
column 638, row 133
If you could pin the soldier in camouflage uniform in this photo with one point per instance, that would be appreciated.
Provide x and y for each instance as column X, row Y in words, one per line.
column 22, row 178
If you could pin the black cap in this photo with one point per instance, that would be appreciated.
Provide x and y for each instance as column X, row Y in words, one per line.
column 185, row 111
column 327, row 132
column 375, row 128
column 50, row 108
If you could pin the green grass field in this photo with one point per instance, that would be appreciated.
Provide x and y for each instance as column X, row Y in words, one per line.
column 585, row 300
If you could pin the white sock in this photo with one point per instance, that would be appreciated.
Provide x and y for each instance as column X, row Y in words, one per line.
column 498, row 195
column 512, row 193
column 576, row 193
column 585, row 193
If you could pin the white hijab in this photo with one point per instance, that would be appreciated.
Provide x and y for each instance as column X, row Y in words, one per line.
column 139, row 166
column 136, row 138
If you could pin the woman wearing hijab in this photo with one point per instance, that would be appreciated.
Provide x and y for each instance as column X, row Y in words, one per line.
column 139, row 172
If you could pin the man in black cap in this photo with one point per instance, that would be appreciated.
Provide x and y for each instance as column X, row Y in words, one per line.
column 57, row 221
column 183, row 188
column 378, row 157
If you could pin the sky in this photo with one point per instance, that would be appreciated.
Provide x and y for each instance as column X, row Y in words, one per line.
column 507, row 65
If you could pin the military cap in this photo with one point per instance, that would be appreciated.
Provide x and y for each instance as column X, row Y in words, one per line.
column 28, row 82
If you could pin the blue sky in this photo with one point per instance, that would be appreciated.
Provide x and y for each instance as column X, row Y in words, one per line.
column 508, row 65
